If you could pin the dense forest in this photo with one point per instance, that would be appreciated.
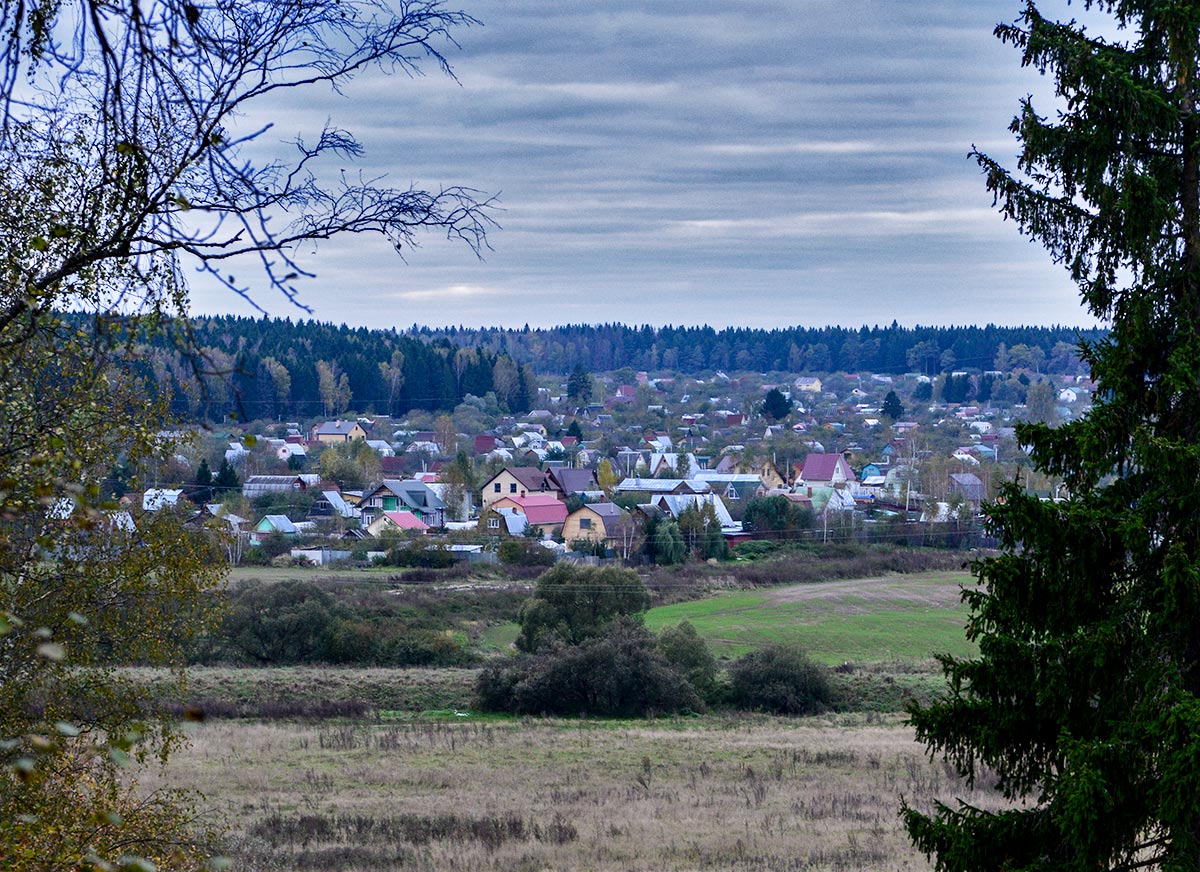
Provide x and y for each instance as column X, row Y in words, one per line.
column 278, row 368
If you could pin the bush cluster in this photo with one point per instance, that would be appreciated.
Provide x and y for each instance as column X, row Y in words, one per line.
column 780, row 679
column 416, row 555
column 620, row 673
column 522, row 552
column 298, row 622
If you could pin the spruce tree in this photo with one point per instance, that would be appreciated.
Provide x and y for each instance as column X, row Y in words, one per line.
column 892, row 407
column 1084, row 699
column 227, row 479
column 204, row 480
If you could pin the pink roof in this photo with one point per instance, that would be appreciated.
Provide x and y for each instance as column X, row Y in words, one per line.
column 821, row 467
column 406, row 520
column 540, row 508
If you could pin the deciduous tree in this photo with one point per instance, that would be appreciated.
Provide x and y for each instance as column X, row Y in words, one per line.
column 574, row 603
column 125, row 159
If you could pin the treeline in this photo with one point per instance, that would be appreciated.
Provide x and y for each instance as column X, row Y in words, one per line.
column 690, row 350
column 278, row 368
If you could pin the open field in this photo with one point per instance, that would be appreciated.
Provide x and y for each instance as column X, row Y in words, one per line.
column 891, row 618
column 727, row 793
column 272, row 574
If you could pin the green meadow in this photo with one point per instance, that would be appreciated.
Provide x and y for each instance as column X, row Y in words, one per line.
column 892, row 618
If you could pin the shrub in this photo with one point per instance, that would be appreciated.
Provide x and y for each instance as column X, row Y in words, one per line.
column 279, row 623
column 574, row 603
column 621, row 673
column 688, row 655
column 521, row 552
column 416, row 555
column 780, row 679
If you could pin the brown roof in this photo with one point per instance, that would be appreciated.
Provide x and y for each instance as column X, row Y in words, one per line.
column 530, row 476
column 571, row 481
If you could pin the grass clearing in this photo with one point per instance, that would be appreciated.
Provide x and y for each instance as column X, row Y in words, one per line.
column 891, row 618
column 737, row 793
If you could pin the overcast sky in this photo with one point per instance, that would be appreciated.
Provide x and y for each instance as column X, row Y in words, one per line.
column 731, row 162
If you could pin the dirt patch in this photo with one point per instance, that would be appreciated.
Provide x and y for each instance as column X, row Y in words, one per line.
column 882, row 589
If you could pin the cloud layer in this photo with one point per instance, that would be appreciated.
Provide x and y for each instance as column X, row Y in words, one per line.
column 759, row 163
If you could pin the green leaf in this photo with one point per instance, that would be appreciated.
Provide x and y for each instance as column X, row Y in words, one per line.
column 39, row 243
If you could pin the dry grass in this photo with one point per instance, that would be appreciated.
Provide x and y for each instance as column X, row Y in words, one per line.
column 719, row 793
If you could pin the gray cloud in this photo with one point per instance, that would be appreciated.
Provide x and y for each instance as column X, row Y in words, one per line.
column 750, row 162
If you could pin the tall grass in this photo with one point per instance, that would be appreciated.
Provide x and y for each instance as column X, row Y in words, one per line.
column 736, row 793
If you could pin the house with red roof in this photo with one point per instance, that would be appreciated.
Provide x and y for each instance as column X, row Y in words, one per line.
column 486, row 444
column 544, row 511
column 403, row 522
column 825, row 470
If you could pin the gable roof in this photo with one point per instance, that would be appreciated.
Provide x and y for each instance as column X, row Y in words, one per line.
column 968, row 484
column 572, row 481
column 278, row 523
column 540, row 508
column 336, row 428
column 160, row 498
column 405, row 520
column 822, row 467
column 485, row 443
column 414, row 494
column 662, row 485
column 514, row 522
column 676, row 503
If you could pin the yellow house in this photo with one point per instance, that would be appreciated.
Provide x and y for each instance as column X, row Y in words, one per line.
column 808, row 384
column 514, row 481
column 596, row 522
column 338, row 431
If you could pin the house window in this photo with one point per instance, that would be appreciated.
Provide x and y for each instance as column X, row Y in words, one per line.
column 512, row 488
column 493, row 523
column 585, row 523
column 732, row 494
column 497, row 486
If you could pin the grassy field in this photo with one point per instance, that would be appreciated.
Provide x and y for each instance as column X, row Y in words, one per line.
column 893, row 618
column 727, row 793
column 274, row 574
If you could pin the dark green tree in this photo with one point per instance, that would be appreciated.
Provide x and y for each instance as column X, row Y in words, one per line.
column 1084, row 699
column 227, row 480
column 203, row 482
column 579, row 385
column 775, row 517
column 892, row 407
column 775, row 406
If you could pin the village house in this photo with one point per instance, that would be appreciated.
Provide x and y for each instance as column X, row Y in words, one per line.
column 824, row 470
column 259, row 485
column 596, row 522
column 330, row 432
column 543, row 511
column 514, row 481
column 403, row 495
column 397, row 522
